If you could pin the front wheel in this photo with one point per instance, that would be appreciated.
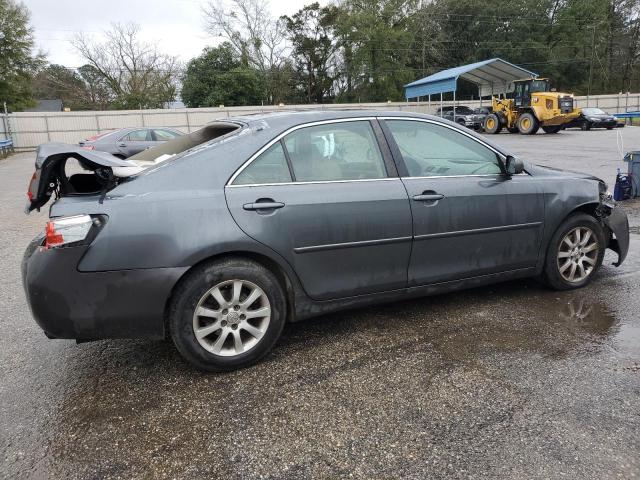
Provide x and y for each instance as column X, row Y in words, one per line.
column 528, row 124
column 492, row 124
column 227, row 314
column 575, row 253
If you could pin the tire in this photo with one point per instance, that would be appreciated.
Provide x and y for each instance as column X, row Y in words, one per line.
column 528, row 124
column 552, row 129
column 557, row 258
column 198, row 291
column 492, row 124
column 585, row 126
column 609, row 128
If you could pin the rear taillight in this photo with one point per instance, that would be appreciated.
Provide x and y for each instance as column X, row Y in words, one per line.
column 69, row 230
column 88, row 147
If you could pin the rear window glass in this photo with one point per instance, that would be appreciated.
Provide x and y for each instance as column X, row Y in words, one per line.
column 270, row 167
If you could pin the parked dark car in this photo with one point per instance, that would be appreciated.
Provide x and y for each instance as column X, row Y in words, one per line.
column 464, row 116
column 593, row 118
column 269, row 219
column 126, row 142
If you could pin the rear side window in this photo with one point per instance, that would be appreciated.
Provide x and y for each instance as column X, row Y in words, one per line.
column 335, row 151
column 270, row 167
column 430, row 150
column 138, row 136
column 162, row 135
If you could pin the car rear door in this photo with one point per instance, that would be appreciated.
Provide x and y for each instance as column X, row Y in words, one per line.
column 135, row 142
column 327, row 199
column 470, row 218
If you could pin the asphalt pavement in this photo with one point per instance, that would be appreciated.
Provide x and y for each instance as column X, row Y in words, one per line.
column 508, row 381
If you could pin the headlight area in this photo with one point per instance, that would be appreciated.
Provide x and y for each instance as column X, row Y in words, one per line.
column 77, row 230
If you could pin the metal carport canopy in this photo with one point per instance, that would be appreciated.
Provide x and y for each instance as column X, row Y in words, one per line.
column 491, row 76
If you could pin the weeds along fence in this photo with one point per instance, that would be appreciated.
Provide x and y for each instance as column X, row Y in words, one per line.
column 30, row 129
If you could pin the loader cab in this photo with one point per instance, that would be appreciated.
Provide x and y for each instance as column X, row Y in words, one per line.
column 524, row 89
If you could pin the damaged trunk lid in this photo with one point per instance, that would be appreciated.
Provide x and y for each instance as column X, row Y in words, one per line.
column 99, row 173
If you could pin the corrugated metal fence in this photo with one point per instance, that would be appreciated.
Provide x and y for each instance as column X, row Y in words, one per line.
column 30, row 129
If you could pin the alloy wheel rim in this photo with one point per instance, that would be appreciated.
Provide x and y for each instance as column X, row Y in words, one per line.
column 231, row 318
column 578, row 254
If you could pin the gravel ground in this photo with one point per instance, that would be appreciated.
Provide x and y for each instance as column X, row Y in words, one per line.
column 508, row 381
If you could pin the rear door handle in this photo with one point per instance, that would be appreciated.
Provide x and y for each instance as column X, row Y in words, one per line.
column 263, row 205
column 428, row 197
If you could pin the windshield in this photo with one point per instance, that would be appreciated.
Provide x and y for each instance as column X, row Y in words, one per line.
column 593, row 111
column 539, row 86
column 463, row 111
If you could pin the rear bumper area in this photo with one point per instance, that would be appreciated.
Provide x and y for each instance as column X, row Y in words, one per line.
column 67, row 303
column 604, row 124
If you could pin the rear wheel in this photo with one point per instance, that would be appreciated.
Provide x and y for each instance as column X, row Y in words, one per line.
column 552, row 129
column 575, row 253
column 492, row 124
column 227, row 314
column 528, row 124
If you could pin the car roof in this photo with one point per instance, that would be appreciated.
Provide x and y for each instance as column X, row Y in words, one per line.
column 287, row 119
column 283, row 120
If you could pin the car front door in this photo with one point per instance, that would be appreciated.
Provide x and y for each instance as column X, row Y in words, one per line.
column 135, row 142
column 328, row 200
column 470, row 218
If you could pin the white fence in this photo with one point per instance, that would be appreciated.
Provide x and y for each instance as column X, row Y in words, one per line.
column 30, row 129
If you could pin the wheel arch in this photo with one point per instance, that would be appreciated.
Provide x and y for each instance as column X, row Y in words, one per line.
column 588, row 208
column 265, row 261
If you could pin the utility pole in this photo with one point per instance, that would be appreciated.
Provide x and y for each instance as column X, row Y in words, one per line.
column 593, row 51
column 5, row 120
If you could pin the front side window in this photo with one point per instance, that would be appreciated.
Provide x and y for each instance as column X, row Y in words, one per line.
column 269, row 167
column 430, row 150
column 335, row 151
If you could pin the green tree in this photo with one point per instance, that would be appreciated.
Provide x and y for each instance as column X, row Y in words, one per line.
column 376, row 46
column 17, row 64
column 311, row 33
column 256, row 37
column 56, row 81
column 218, row 77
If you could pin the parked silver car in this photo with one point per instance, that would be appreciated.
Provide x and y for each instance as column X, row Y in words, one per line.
column 257, row 221
column 128, row 141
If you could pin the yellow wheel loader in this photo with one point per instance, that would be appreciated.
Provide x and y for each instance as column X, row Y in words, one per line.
column 533, row 105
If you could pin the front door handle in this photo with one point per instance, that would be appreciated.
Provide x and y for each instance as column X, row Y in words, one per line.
column 428, row 197
column 263, row 205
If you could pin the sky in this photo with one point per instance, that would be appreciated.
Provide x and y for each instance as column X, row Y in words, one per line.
column 176, row 26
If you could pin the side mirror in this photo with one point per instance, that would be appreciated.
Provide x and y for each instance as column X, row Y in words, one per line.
column 514, row 165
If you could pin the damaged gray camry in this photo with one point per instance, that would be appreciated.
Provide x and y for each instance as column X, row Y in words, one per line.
column 218, row 238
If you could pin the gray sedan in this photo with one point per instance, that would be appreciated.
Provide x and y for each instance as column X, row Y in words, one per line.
column 257, row 221
column 126, row 142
